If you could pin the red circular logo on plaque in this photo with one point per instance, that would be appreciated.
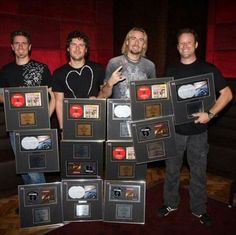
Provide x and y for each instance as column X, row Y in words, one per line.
column 17, row 100
column 144, row 92
column 119, row 153
column 76, row 111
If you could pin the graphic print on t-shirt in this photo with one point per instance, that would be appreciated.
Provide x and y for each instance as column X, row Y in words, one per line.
column 32, row 73
column 76, row 79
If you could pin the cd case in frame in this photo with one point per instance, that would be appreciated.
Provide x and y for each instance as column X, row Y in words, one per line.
column 150, row 98
column 192, row 95
column 26, row 108
column 40, row 204
column 121, row 161
column 154, row 139
column 36, row 151
column 82, row 199
column 84, row 119
column 81, row 159
column 118, row 118
column 124, row 201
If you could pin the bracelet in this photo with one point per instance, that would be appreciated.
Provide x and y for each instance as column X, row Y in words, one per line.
column 210, row 115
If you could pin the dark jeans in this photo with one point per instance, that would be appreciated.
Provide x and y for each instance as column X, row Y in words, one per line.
column 197, row 149
column 31, row 177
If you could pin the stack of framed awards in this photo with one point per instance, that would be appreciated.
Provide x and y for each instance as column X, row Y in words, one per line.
column 36, row 150
column 82, row 154
column 152, row 127
column 27, row 116
column 120, row 155
column 84, row 133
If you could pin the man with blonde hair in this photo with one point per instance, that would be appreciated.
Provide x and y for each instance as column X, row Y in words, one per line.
column 131, row 65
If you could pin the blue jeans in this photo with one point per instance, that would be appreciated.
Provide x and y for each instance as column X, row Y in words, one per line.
column 197, row 150
column 31, row 177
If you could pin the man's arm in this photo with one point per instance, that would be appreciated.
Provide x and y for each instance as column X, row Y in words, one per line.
column 224, row 98
column 106, row 88
column 59, row 105
column 52, row 102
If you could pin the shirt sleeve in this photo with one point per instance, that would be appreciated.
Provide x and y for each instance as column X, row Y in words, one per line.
column 47, row 77
column 109, row 70
column 2, row 79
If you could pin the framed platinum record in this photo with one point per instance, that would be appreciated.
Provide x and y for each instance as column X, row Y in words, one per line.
column 84, row 119
column 81, row 159
column 40, row 204
column 118, row 118
column 121, row 161
column 36, row 151
column 26, row 108
column 124, row 201
column 154, row 139
column 150, row 98
column 192, row 95
column 82, row 200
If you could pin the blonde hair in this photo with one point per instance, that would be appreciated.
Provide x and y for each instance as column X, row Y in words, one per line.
column 124, row 49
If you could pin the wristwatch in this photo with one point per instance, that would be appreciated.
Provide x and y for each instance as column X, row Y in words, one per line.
column 210, row 115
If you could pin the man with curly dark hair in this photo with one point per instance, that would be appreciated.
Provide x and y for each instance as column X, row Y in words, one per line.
column 79, row 78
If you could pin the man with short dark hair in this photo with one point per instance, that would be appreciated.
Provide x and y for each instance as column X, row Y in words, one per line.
column 24, row 72
column 192, row 137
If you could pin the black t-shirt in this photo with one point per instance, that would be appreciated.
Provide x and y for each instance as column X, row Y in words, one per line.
column 78, row 83
column 31, row 74
column 188, row 70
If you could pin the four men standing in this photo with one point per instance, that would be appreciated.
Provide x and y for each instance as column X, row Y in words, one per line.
column 81, row 78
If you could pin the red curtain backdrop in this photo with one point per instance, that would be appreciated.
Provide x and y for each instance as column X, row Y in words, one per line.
column 49, row 23
column 221, row 41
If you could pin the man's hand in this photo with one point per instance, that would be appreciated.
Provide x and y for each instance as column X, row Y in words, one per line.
column 116, row 77
column 201, row 117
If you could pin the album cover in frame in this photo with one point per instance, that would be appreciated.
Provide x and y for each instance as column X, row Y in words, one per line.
column 150, row 98
column 81, row 159
column 36, row 151
column 82, row 199
column 192, row 95
column 84, row 119
column 124, row 201
column 121, row 161
column 118, row 118
column 26, row 108
column 40, row 204
column 154, row 139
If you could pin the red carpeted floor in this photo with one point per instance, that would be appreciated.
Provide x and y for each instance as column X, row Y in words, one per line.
column 181, row 222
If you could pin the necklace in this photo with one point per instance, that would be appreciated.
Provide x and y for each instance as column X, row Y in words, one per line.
column 132, row 60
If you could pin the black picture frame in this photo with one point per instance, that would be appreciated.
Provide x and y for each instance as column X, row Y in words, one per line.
column 26, row 108
column 150, row 98
column 37, row 151
column 191, row 95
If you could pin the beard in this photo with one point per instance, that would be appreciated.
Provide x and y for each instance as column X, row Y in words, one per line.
column 77, row 58
column 135, row 51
